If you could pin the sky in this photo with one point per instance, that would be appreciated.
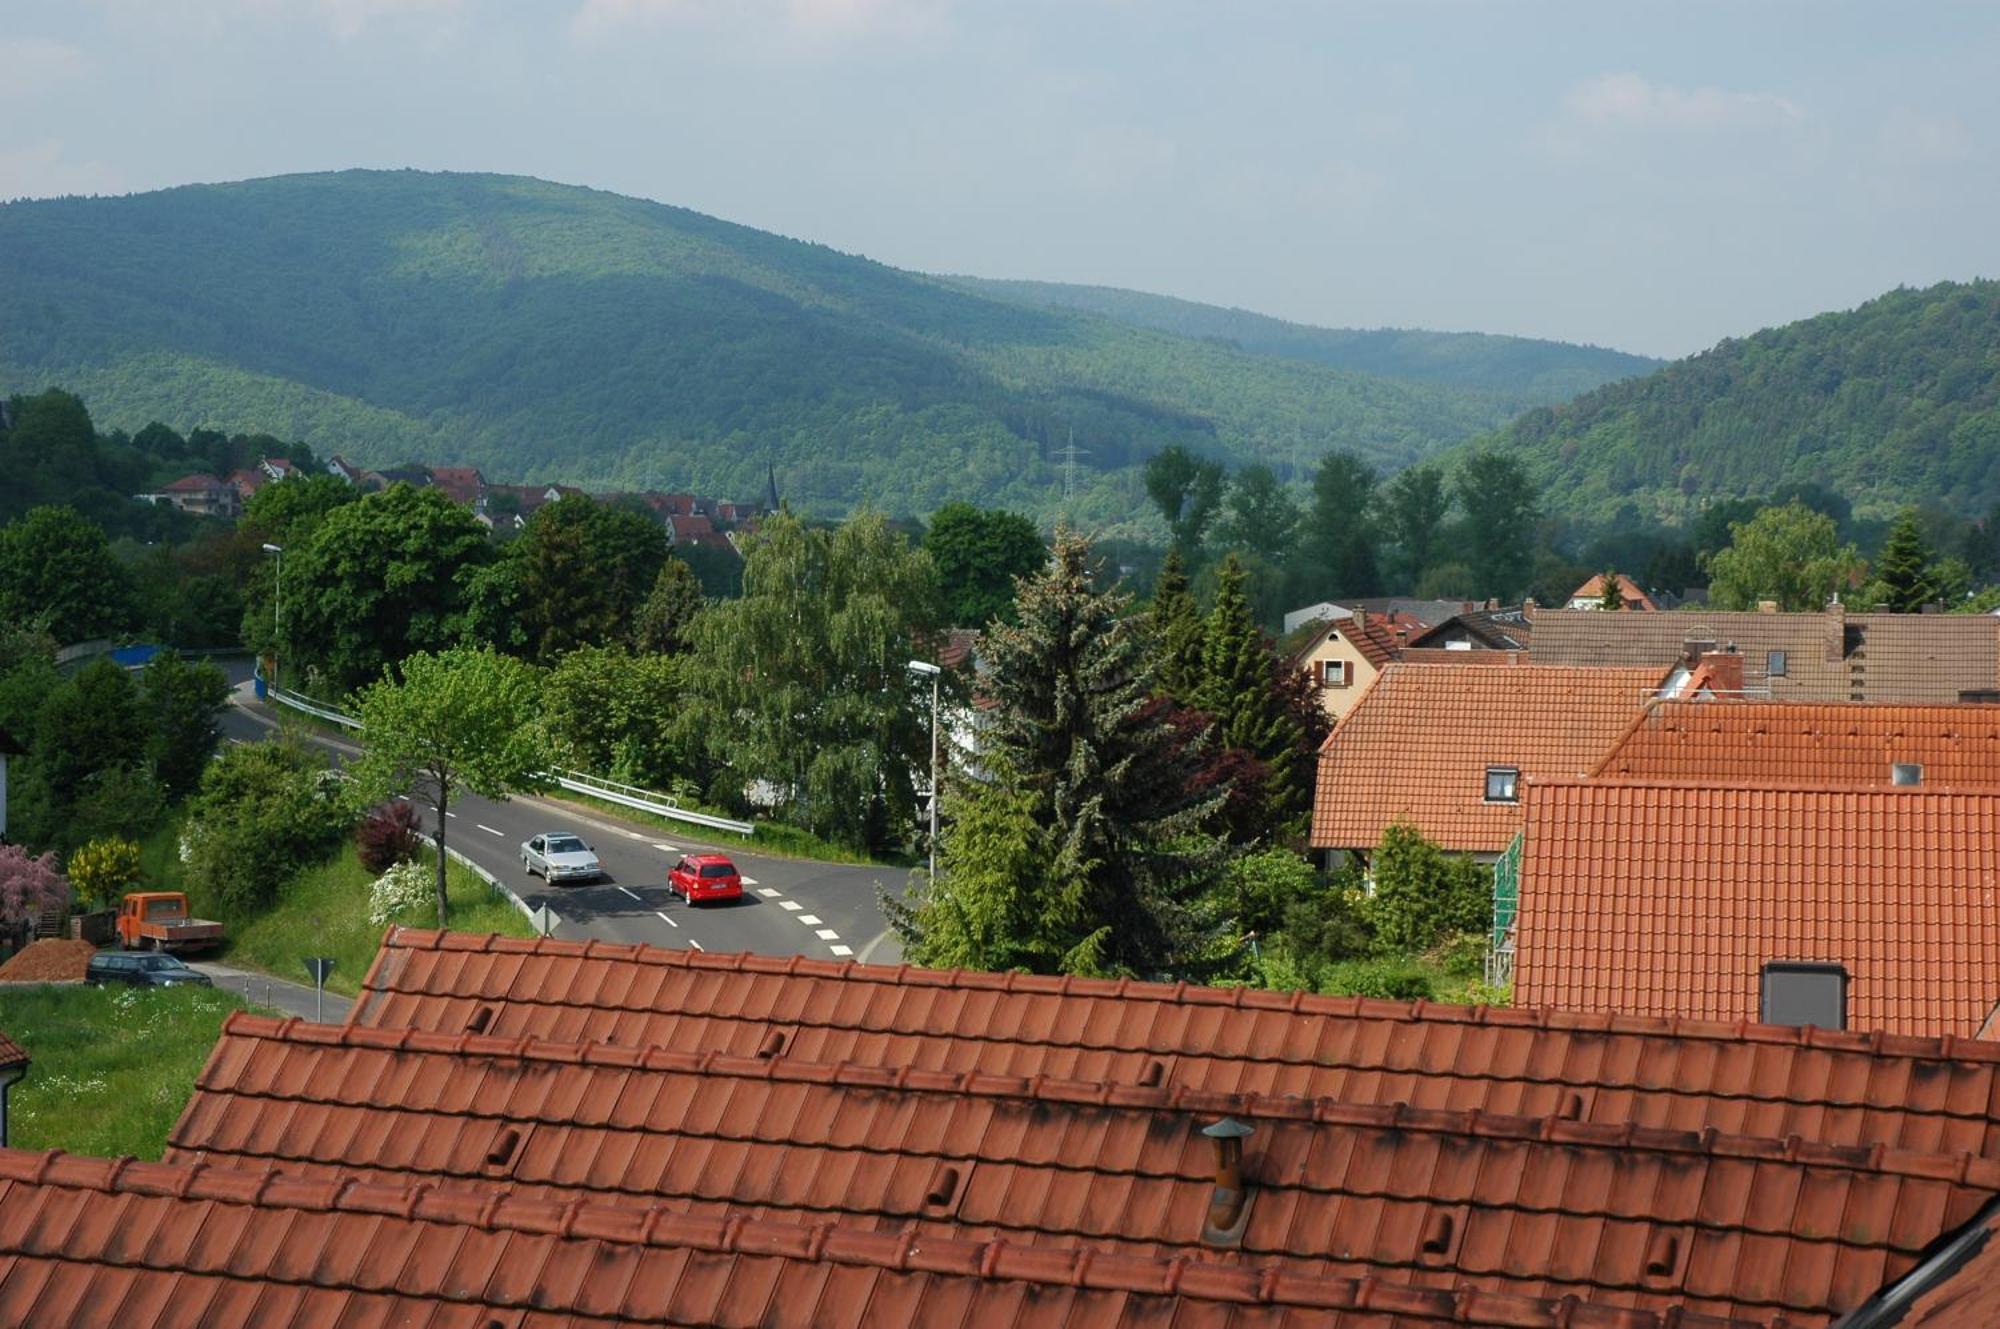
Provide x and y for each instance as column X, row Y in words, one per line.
column 1653, row 177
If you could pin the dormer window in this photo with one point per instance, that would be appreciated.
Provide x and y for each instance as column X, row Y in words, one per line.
column 1503, row 784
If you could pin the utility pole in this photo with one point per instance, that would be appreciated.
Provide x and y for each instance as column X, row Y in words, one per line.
column 936, row 676
column 277, row 608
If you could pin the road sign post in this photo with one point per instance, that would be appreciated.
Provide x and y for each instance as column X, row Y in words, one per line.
column 546, row 921
column 318, row 967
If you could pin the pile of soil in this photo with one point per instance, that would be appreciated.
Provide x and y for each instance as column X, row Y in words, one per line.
column 51, row 961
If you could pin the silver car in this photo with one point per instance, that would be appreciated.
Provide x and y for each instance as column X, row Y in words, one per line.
column 560, row 856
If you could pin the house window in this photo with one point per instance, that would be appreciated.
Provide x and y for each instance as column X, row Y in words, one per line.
column 1503, row 784
column 1906, row 772
column 1774, row 664
column 1804, row 994
column 1336, row 673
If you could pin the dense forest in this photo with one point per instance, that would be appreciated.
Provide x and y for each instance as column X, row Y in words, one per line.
column 1895, row 402
column 551, row 332
column 1521, row 371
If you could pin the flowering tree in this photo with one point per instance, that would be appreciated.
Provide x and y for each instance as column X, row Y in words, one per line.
column 28, row 885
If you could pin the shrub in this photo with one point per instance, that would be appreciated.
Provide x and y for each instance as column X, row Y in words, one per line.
column 103, row 870
column 391, row 834
column 1386, row 979
column 1263, row 886
column 403, row 889
column 264, row 811
column 28, row 885
column 1422, row 893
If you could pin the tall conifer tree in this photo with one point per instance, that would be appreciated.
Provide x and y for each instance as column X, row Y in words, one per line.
column 1238, row 691
column 1176, row 630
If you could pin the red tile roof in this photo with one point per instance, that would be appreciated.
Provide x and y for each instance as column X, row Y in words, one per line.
column 1628, row 591
column 198, row 483
column 148, row 1245
column 1528, row 1207
column 12, row 1054
column 1808, row 743
column 461, row 484
column 1762, row 1080
column 1655, row 899
column 1417, row 746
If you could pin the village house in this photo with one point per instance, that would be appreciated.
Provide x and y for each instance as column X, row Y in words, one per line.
column 1449, row 749
column 201, row 494
column 1346, row 654
column 1591, row 595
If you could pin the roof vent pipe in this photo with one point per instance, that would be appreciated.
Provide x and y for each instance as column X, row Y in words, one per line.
column 1229, row 1206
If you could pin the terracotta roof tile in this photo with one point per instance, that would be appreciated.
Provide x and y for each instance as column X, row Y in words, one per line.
column 1657, row 899
column 149, row 1245
column 1519, row 1206
column 1764, row 1080
column 1808, row 743
column 1418, row 744
column 12, row 1054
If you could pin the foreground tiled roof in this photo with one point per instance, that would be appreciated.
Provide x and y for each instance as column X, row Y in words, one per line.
column 1830, row 743
column 12, row 1054
column 1529, row 1207
column 100, row 1242
column 1830, row 656
column 1670, row 899
column 1417, row 747
column 1758, row 1080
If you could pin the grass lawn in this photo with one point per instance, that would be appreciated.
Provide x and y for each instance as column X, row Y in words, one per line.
column 113, row 1067
column 324, row 911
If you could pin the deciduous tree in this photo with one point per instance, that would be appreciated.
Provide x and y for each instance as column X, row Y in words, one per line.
column 57, row 570
column 978, row 554
column 1262, row 516
column 1789, row 554
column 667, row 618
column 1338, row 536
column 1188, row 491
column 450, row 721
column 1501, row 506
column 1413, row 509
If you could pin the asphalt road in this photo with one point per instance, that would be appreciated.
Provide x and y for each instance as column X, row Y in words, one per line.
column 789, row 906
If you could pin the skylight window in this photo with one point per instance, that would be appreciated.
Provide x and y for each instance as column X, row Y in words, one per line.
column 1503, row 784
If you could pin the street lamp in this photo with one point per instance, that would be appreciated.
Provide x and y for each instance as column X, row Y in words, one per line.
column 277, row 607
column 936, row 674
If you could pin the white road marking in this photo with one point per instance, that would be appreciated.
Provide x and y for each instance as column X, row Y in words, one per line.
column 790, row 904
column 810, row 920
column 634, row 894
column 451, row 814
column 635, row 835
column 768, row 893
column 697, row 945
column 668, row 921
column 749, row 881
column 841, row 950
column 828, row 934
column 489, row 830
column 665, row 848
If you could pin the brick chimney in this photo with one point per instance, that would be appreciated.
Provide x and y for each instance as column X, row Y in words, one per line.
column 1722, row 672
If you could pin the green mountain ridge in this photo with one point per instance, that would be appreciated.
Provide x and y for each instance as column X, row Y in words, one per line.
column 1523, row 371
column 1892, row 403
column 546, row 332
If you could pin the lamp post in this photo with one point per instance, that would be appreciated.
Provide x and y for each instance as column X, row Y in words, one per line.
column 935, row 673
column 277, row 607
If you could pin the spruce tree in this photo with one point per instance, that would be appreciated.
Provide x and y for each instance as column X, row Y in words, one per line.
column 1081, row 748
column 1238, row 692
column 1612, row 596
column 1176, row 625
column 1903, row 573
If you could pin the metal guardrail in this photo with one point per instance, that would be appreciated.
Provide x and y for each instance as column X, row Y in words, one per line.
column 611, row 791
column 645, row 800
column 506, row 891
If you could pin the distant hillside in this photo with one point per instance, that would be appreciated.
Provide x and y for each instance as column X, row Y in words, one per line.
column 1522, row 370
column 544, row 332
column 1895, row 402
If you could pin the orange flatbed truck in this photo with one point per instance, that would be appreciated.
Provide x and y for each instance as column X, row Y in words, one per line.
column 158, row 921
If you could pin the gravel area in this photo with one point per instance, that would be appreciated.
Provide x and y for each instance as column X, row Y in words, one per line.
column 51, row 961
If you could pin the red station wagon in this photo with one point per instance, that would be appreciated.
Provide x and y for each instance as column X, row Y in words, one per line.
column 702, row 877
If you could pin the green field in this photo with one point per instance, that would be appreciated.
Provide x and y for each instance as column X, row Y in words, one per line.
column 113, row 1067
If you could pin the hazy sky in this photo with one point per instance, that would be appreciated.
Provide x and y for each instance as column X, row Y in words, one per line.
column 1652, row 177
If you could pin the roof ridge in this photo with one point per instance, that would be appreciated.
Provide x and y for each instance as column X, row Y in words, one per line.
column 1325, row 1110
column 1749, row 785
column 661, row 1226
column 1419, row 1012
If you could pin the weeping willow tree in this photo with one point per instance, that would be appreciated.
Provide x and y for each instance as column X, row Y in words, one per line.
column 803, row 683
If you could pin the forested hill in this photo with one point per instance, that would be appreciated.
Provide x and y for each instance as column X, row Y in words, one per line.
column 1523, row 370
column 1892, row 403
column 549, row 332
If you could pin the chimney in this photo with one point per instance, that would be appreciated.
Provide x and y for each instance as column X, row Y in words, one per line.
column 1836, row 632
column 1360, row 618
column 1724, row 672
column 1767, row 606
column 1229, row 1206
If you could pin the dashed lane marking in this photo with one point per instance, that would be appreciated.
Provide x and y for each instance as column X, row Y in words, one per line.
column 810, row 920
column 697, row 945
column 635, row 835
column 790, row 904
column 768, row 893
column 634, row 894
column 489, row 830
column 451, row 814
column 749, row 881
column 665, row 848
column 828, row 934
column 664, row 919
column 841, row 950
